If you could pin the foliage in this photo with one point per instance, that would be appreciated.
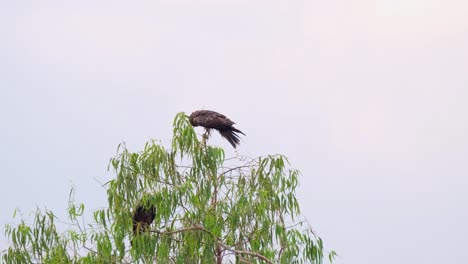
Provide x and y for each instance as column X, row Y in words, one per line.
column 208, row 209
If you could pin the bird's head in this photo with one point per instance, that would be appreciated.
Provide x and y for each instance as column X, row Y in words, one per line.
column 191, row 119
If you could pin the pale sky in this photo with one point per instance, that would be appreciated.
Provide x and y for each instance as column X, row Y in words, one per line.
column 367, row 98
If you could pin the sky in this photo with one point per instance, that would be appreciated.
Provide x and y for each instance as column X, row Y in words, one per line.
column 366, row 98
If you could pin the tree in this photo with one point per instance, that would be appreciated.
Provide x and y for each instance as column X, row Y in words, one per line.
column 187, row 204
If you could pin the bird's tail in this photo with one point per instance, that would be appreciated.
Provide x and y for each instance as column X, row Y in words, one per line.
column 237, row 130
column 231, row 136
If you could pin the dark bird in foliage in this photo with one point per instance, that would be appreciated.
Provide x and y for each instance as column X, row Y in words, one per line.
column 142, row 218
column 214, row 120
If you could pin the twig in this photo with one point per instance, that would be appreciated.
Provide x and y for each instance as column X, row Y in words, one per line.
column 253, row 254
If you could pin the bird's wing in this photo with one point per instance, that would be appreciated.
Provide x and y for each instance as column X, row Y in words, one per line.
column 213, row 119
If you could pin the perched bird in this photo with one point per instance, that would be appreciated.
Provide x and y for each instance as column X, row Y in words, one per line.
column 142, row 219
column 213, row 120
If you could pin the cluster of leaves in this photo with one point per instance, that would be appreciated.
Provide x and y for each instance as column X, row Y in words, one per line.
column 205, row 211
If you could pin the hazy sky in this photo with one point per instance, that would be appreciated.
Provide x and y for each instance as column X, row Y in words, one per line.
column 367, row 98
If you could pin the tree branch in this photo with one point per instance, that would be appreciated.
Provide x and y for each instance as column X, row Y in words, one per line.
column 226, row 247
column 244, row 252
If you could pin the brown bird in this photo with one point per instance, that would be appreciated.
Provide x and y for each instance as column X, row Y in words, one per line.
column 214, row 120
column 142, row 219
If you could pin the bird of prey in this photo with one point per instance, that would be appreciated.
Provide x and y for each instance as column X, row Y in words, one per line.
column 214, row 120
column 142, row 219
